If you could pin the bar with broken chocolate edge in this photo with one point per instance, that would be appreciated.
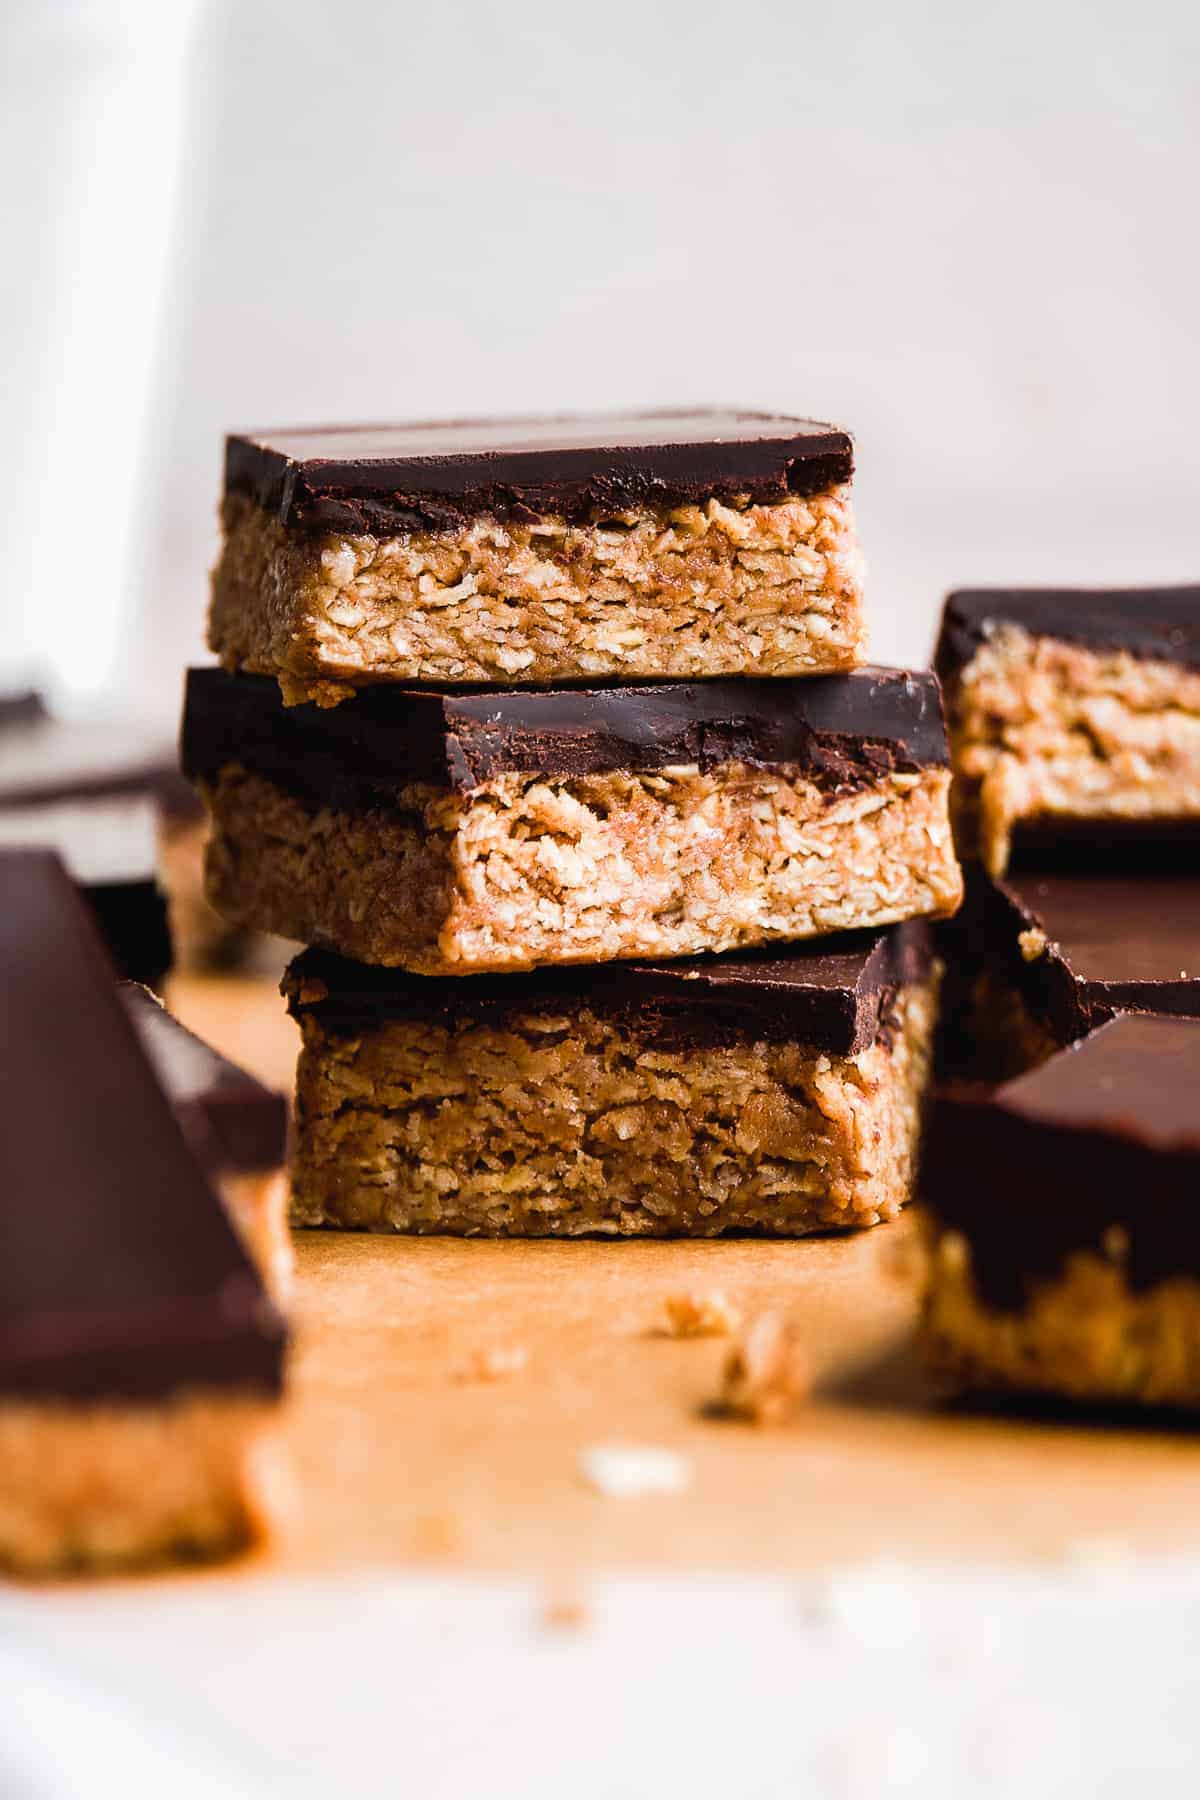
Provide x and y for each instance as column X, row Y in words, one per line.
column 1067, row 704
column 236, row 1126
column 776, row 1093
column 452, row 833
column 140, row 1358
column 1041, row 956
column 1064, row 1241
column 500, row 551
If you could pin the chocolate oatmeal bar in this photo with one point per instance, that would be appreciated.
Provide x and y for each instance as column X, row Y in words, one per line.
column 459, row 833
column 1064, row 1255
column 140, row 1357
column 773, row 1093
column 1067, row 705
column 538, row 551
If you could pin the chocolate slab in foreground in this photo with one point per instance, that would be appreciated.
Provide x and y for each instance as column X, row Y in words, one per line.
column 539, row 551
column 382, row 478
column 775, row 1094
column 139, row 1353
column 1065, row 1252
column 457, row 833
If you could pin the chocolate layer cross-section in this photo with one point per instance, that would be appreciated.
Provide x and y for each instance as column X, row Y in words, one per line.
column 236, row 1126
column 1064, row 1235
column 456, row 833
column 139, row 1354
column 1042, row 956
column 538, row 550
column 772, row 1093
column 1068, row 705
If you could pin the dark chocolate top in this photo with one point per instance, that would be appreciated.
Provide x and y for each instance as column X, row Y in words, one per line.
column 120, row 1274
column 1116, row 944
column 1155, row 623
column 834, row 995
column 398, row 478
column 843, row 730
column 1107, row 1133
column 233, row 1123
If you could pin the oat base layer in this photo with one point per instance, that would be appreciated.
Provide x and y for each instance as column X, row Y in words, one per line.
column 527, row 871
column 112, row 1486
column 653, row 593
column 560, row 1126
column 1043, row 729
column 1086, row 1335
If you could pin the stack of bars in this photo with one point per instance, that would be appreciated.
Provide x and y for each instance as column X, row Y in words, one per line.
column 1064, row 1150
column 551, row 738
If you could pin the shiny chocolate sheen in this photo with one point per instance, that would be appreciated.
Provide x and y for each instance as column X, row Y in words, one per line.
column 1158, row 624
column 1107, row 1133
column 234, row 1124
column 845, row 731
column 120, row 1274
column 1114, row 943
column 392, row 479
column 834, row 995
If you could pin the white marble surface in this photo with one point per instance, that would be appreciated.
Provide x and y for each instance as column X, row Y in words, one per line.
column 1072, row 1680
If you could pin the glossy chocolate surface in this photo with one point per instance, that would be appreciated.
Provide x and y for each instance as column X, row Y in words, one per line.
column 234, row 1123
column 845, row 731
column 834, row 994
column 397, row 478
column 120, row 1275
column 1105, row 1134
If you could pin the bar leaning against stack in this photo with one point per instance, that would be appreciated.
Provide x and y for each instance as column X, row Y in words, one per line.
column 1059, row 1203
column 449, row 849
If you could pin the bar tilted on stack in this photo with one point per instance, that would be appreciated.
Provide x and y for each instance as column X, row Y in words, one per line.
column 500, row 700
column 1061, row 1203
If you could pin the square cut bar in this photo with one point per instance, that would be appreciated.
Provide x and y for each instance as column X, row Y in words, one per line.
column 775, row 1094
column 1067, row 705
column 140, row 1358
column 1040, row 957
column 645, row 546
column 457, row 833
column 236, row 1126
column 1064, row 1236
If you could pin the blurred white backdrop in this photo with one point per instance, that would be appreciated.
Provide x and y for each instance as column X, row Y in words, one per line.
column 966, row 232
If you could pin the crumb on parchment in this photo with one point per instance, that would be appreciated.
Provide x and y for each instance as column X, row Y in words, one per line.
column 767, row 1372
column 692, row 1314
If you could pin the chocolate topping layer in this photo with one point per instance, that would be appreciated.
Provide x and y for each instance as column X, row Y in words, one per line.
column 391, row 479
column 1107, row 1133
column 1154, row 623
column 120, row 1275
column 843, row 730
column 232, row 1121
column 1114, row 944
column 834, row 995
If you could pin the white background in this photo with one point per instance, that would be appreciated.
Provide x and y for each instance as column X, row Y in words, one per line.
column 969, row 232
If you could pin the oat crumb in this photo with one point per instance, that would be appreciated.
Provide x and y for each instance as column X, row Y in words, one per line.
column 562, row 1609
column 1033, row 943
column 690, row 1315
column 495, row 1364
column 767, row 1372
